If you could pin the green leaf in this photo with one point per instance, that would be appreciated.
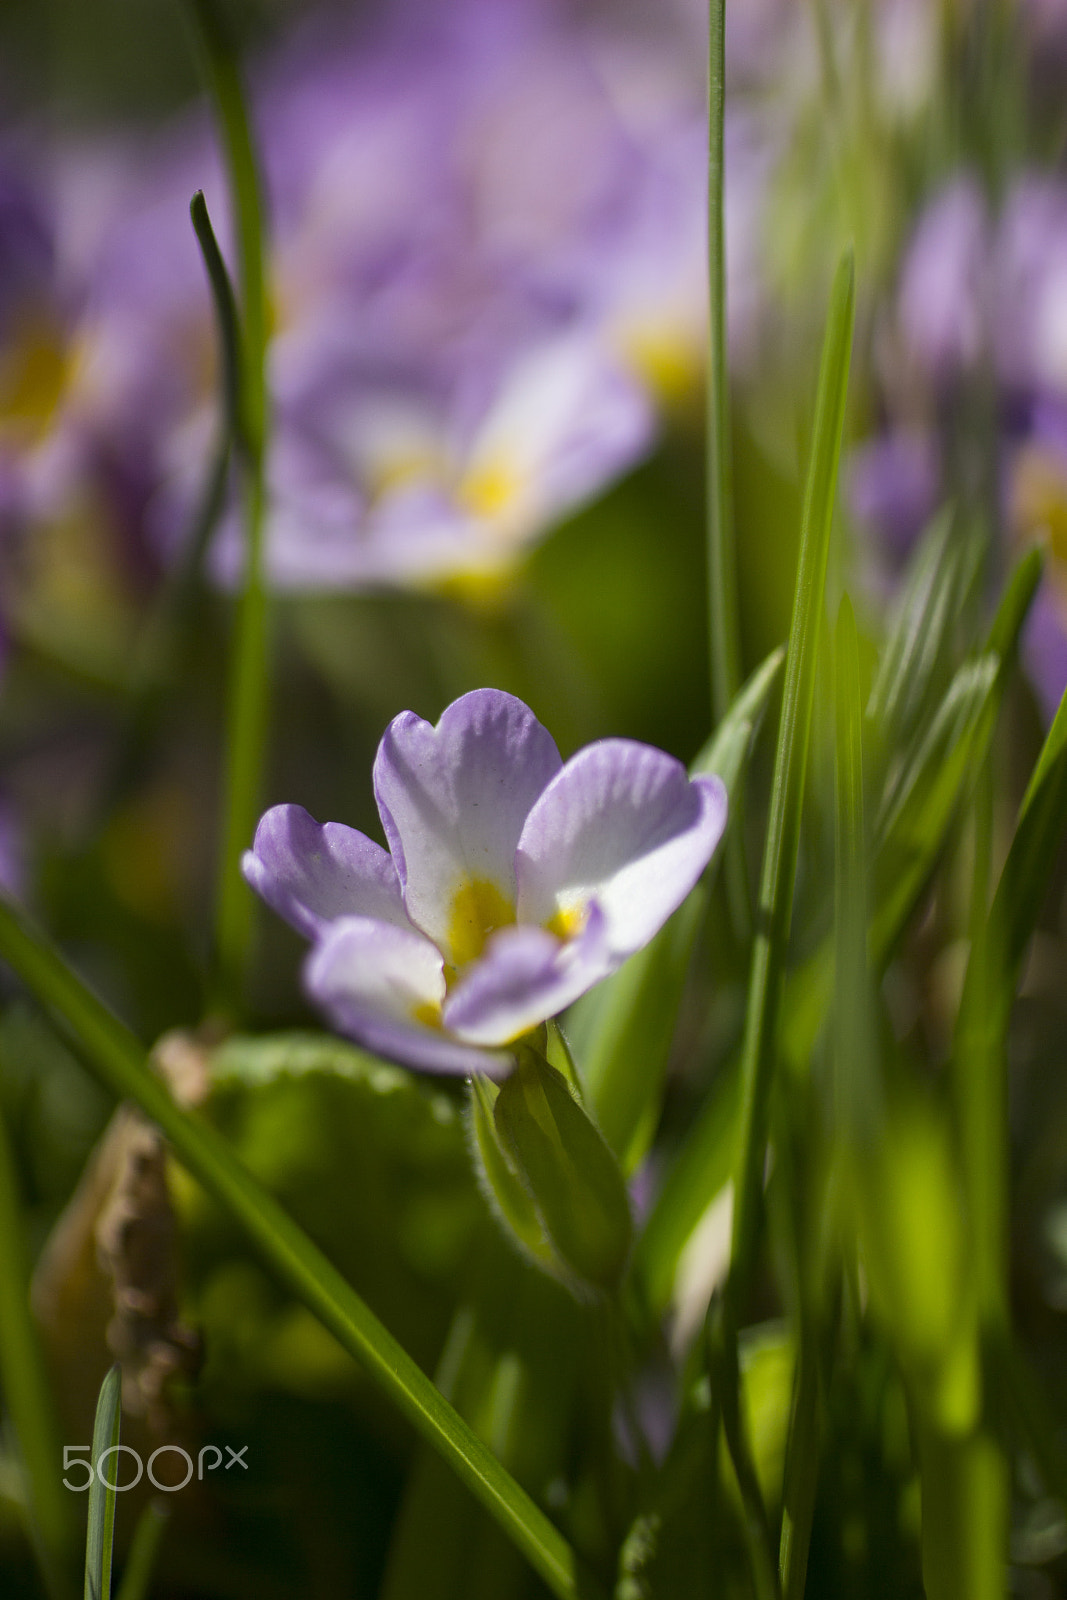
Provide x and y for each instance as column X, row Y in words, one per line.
column 787, row 794
column 118, row 1060
column 263, row 1058
column 624, row 1030
column 101, row 1526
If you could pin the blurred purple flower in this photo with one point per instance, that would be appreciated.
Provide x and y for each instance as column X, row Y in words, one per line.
column 487, row 269
column 942, row 307
column 513, row 882
column 893, row 482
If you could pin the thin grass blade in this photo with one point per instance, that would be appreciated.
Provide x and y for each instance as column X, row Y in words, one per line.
column 144, row 1551
column 118, row 1060
column 100, row 1532
column 247, row 702
column 26, row 1392
column 787, row 796
column 626, row 1044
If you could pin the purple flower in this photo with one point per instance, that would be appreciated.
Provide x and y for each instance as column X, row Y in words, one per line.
column 944, row 289
column 513, row 882
column 893, row 483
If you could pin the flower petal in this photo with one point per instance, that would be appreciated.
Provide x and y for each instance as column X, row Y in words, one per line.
column 383, row 986
column 624, row 825
column 453, row 800
column 313, row 873
column 525, row 976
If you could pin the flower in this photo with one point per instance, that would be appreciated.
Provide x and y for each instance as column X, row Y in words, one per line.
column 513, row 882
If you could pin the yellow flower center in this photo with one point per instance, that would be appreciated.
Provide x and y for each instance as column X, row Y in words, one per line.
column 33, row 375
column 1038, row 510
column 490, row 489
column 478, row 910
column 664, row 358
column 566, row 922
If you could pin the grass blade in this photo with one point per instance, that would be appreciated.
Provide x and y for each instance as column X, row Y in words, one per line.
column 783, row 833
column 144, row 1549
column 26, row 1391
column 626, row 1046
column 118, row 1060
column 172, row 612
column 980, row 1048
column 724, row 644
column 923, row 619
column 246, row 725
column 101, row 1525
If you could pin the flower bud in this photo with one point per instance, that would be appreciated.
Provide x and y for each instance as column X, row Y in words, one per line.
column 566, row 1169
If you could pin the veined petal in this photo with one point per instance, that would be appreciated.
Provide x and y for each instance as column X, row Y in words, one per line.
column 623, row 825
column 383, row 986
column 525, row 976
column 453, row 800
column 312, row 873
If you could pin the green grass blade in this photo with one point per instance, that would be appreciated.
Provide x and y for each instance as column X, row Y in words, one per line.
column 224, row 81
column 247, row 709
column 855, row 1079
column 783, row 833
column 627, row 1043
column 702, row 1168
column 914, row 819
column 923, row 619
column 118, row 1060
column 856, row 1087
column 26, row 1392
column 144, row 1550
column 724, row 643
column 697, row 1175
column 100, row 1531
column 172, row 612
column 980, row 1048
column 226, row 321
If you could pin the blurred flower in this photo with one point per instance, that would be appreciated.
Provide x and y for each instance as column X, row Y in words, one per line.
column 513, row 882
column 983, row 299
column 942, row 302
column 487, row 270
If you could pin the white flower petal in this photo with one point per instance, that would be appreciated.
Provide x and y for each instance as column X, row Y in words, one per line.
column 623, row 825
column 453, row 800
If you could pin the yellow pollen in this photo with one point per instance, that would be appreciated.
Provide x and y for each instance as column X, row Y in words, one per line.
column 478, row 909
column 490, row 489
column 428, row 1013
column 1039, row 499
column 32, row 378
column 566, row 922
column 1038, row 511
column 664, row 359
